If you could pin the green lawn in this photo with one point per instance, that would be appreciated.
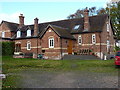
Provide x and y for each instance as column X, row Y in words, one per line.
column 11, row 65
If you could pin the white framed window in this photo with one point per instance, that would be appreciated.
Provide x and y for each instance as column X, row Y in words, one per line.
column 51, row 42
column 18, row 34
column 28, row 45
column 28, row 33
column 79, row 39
column 3, row 34
column 93, row 38
column 108, row 45
column 107, row 27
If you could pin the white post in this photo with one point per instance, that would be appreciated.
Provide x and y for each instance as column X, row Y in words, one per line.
column 105, row 58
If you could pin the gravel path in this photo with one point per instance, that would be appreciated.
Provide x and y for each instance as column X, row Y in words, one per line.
column 44, row 79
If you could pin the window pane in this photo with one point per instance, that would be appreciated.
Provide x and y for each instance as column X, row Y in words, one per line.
column 28, row 32
column 28, row 46
column 93, row 39
column 51, row 43
column 18, row 33
column 80, row 40
column 3, row 34
column 108, row 27
column 76, row 27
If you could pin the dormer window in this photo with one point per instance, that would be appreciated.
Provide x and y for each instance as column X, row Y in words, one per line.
column 3, row 34
column 18, row 34
column 76, row 27
column 28, row 33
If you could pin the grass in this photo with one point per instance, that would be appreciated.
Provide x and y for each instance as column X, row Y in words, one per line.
column 12, row 65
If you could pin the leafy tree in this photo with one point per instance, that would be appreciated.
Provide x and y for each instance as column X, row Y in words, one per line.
column 115, row 18
column 113, row 9
column 80, row 13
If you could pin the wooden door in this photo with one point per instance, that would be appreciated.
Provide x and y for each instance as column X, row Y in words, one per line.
column 69, row 47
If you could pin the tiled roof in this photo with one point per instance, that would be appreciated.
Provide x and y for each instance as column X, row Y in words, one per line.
column 96, row 24
column 60, row 31
column 11, row 25
column 65, row 27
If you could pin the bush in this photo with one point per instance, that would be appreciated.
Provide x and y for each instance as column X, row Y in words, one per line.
column 117, row 48
column 8, row 48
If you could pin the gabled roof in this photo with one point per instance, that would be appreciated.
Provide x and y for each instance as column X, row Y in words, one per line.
column 64, row 28
column 60, row 31
column 96, row 24
column 24, row 31
column 11, row 25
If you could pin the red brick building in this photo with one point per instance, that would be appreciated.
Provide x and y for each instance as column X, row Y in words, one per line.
column 87, row 35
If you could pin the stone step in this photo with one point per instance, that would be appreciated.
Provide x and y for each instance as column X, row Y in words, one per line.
column 80, row 57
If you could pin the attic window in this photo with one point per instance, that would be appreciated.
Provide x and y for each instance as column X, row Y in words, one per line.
column 76, row 27
column 18, row 34
column 28, row 33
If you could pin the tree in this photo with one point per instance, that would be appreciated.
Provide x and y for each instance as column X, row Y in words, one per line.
column 115, row 17
column 80, row 13
column 114, row 11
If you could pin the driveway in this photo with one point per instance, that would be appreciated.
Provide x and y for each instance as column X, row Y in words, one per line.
column 71, row 79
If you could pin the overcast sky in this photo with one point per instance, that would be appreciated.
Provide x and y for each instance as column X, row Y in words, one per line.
column 45, row 11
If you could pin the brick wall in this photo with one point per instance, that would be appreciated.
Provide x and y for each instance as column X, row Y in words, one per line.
column 87, row 42
column 35, row 49
column 51, row 53
column 4, row 28
column 107, row 36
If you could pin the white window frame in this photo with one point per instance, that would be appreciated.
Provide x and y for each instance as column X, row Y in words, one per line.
column 107, row 27
column 79, row 39
column 28, row 33
column 93, row 39
column 3, row 34
column 18, row 34
column 28, row 45
column 51, row 42
column 108, row 45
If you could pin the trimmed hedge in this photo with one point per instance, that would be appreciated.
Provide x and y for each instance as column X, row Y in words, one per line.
column 8, row 48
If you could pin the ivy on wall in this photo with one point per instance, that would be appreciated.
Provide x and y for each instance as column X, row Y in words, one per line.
column 7, row 48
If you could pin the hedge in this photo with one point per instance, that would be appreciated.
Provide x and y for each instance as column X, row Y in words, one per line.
column 7, row 48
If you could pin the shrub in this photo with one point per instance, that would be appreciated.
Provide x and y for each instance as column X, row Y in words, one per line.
column 7, row 48
column 117, row 48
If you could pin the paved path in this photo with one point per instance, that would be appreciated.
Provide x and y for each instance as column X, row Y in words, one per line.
column 43, row 79
column 80, row 57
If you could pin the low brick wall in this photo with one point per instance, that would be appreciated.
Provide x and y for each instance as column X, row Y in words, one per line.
column 18, row 56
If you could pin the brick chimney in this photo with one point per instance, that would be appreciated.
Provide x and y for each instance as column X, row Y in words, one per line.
column 86, row 20
column 36, row 26
column 21, row 20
